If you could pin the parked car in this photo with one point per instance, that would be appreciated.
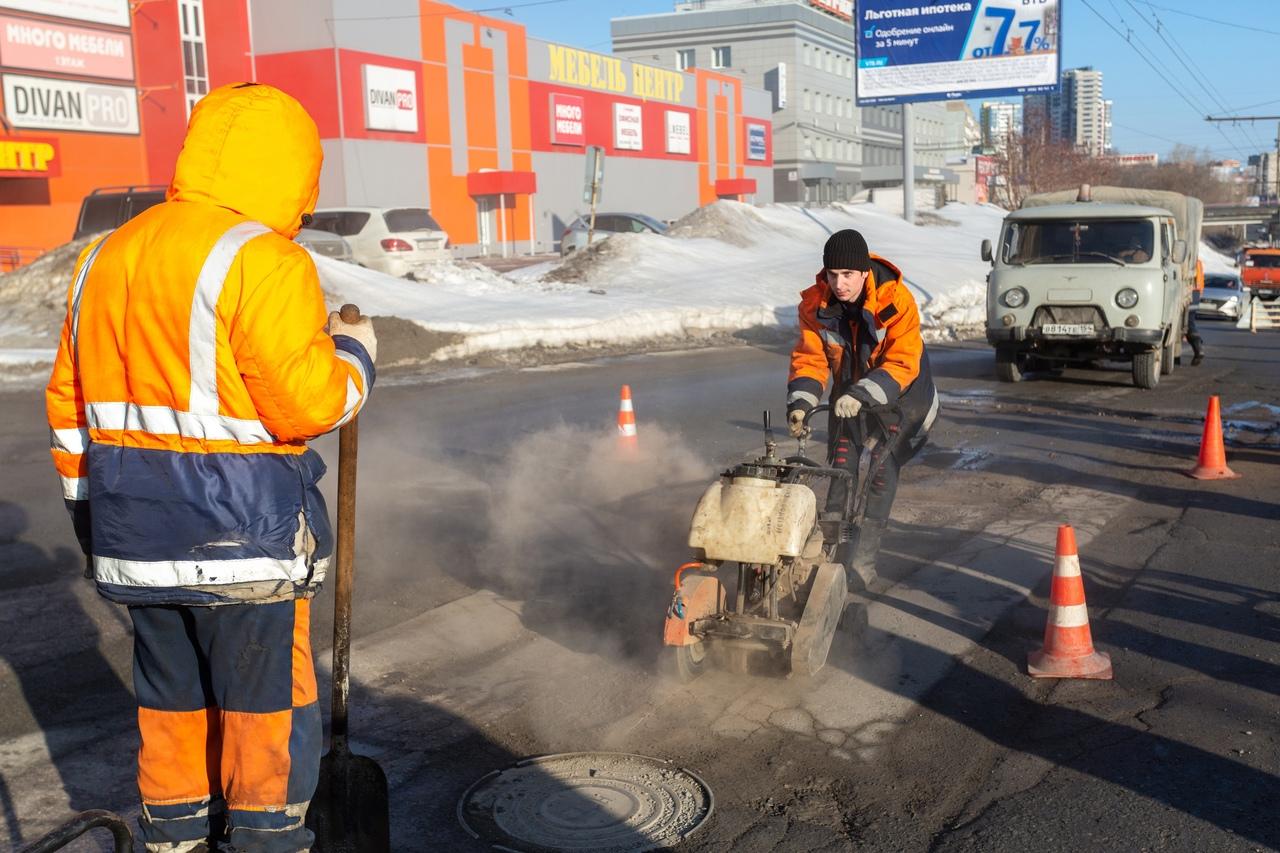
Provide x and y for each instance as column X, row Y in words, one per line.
column 325, row 243
column 1221, row 297
column 1260, row 271
column 399, row 241
column 107, row 208
column 607, row 224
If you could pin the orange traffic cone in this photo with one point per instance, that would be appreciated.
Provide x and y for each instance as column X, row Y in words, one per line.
column 1068, row 645
column 1213, row 459
column 626, row 419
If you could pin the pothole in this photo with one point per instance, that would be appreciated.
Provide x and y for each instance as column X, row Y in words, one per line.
column 598, row 801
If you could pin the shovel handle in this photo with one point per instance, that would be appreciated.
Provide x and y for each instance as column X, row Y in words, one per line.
column 348, row 443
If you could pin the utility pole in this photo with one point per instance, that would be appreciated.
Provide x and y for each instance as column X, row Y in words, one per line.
column 1276, row 161
column 908, row 165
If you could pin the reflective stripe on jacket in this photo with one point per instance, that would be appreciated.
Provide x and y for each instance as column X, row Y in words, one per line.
column 872, row 349
column 193, row 366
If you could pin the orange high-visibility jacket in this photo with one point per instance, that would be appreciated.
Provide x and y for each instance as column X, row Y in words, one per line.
column 873, row 350
column 194, row 366
column 1199, row 275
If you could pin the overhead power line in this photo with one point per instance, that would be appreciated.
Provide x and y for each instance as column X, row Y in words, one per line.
column 1250, row 27
column 1190, row 65
column 1165, row 75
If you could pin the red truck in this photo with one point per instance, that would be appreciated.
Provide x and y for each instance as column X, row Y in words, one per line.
column 1260, row 271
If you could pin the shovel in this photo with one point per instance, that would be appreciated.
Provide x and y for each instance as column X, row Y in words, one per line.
column 349, row 813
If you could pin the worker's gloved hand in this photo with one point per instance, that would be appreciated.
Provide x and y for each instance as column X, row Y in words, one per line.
column 847, row 406
column 361, row 330
column 795, row 423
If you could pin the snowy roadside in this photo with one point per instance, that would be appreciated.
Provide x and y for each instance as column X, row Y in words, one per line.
column 725, row 273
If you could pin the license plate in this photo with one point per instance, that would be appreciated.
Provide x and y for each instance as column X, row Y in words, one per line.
column 1067, row 329
column 428, row 245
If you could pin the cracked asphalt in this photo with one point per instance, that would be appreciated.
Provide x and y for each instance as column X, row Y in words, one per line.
column 496, row 622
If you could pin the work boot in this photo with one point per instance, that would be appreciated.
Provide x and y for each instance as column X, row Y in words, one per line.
column 858, row 556
column 1197, row 347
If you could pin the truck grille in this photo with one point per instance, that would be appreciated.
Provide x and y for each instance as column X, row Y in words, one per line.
column 1069, row 314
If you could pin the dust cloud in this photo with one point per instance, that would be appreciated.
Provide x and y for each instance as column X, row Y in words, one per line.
column 587, row 533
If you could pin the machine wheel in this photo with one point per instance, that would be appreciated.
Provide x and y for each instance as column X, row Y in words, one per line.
column 1007, row 368
column 688, row 662
column 1146, row 368
column 1172, row 349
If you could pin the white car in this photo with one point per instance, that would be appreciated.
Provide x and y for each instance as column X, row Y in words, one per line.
column 325, row 243
column 399, row 241
column 1221, row 297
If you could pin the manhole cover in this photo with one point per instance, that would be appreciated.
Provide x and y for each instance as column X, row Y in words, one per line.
column 605, row 802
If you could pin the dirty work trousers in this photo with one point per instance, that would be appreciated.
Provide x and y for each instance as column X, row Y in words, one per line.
column 896, row 450
column 230, row 725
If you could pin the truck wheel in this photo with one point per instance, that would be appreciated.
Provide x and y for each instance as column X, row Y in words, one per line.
column 1146, row 368
column 1171, row 349
column 1007, row 367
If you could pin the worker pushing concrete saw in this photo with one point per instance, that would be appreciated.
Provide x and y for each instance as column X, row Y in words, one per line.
column 860, row 332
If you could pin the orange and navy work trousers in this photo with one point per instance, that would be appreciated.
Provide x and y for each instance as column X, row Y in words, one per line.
column 230, row 725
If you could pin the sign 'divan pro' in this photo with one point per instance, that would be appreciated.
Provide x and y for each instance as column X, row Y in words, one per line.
column 390, row 98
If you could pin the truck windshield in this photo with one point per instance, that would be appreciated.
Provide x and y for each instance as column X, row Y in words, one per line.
column 1066, row 241
column 1266, row 261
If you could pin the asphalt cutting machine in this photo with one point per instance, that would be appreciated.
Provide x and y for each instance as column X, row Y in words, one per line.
column 763, row 518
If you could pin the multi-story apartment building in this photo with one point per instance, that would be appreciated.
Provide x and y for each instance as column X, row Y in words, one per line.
column 1000, row 120
column 1076, row 115
column 824, row 147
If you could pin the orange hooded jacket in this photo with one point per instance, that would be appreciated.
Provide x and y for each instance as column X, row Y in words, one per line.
column 872, row 349
column 194, row 365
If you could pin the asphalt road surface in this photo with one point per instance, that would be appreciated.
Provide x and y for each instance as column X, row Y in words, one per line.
column 513, row 571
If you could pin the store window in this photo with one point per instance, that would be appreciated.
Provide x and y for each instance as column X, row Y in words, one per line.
column 194, row 70
column 829, row 61
column 804, row 54
column 808, row 100
column 685, row 59
column 721, row 57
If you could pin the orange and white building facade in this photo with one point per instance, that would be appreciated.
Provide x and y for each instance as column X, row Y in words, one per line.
column 418, row 104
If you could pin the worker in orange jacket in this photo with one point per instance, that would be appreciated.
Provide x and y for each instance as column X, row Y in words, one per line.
column 1192, row 332
column 194, row 365
column 860, row 329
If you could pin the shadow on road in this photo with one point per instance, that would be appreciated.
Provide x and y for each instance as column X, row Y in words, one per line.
column 53, row 648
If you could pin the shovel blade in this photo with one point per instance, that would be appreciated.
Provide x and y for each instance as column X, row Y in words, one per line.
column 350, row 813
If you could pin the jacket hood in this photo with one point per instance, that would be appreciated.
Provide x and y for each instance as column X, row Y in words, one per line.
column 882, row 275
column 252, row 149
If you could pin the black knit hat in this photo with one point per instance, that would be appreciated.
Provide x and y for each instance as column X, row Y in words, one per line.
column 846, row 250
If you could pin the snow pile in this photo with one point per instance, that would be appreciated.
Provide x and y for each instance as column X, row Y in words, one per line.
column 729, row 222
column 721, row 270
column 1215, row 261
column 33, row 301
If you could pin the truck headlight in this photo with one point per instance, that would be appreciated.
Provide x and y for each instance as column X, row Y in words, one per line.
column 1127, row 298
column 1015, row 297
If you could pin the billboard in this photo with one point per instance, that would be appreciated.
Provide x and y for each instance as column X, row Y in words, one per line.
column 113, row 12
column 48, row 104
column 567, row 114
column 64, row 49
column 390, row 99
column 933, row 51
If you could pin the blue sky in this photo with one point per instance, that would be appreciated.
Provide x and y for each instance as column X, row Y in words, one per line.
column 1233, row 42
